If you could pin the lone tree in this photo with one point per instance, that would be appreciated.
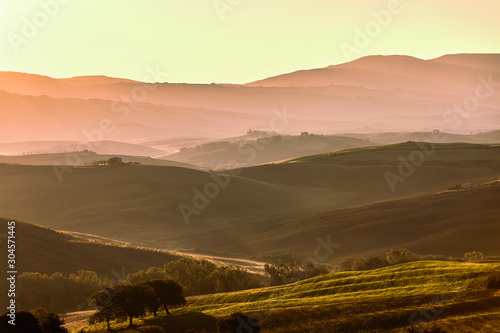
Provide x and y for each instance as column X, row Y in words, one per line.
column 168, row 293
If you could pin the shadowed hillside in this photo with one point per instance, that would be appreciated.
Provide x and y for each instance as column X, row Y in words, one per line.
column 362, row 171
column 449, row 223
column 43, row 250
column 140, row 203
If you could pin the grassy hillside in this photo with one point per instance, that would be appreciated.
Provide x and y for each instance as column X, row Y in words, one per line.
column 359, row 173
column 436, row 152
column 449, row 223
column 255, row 211
column 47, row 251
column 137, row 202
column 386, row 299
column 366, row 165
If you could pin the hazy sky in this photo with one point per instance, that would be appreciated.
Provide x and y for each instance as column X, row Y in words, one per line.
column 234, row 41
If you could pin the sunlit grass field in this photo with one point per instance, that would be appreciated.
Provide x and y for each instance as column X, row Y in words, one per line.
column 385, row 299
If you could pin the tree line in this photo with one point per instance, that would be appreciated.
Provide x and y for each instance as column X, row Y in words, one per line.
column 397, row 256
column 67, row 293
column 60, row 293
column 198, row 277
column 287, row 270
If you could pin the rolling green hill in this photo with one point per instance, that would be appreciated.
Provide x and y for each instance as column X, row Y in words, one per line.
column 137, row 203
column 449, row 223
column 386, row 299
column 140, row 203
column 362, row 169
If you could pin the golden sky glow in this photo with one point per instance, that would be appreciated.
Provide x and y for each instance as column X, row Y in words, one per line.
column 234, row 41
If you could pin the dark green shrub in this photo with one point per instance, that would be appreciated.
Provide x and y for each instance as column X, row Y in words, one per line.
column 492, row 281
column 236, row 323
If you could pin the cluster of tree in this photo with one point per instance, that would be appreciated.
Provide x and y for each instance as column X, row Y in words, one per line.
column 474, row 256
column 65, row 293
column 400, row 256
column 213, row 145
column 36, row 321
column 286, row 270
column 136, row 300
column 57, row 292
column 362, row 264
column 309, row 134
column 198, row 277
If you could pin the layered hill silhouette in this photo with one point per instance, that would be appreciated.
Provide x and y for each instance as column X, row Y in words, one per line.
column 377, row 93
column 253, row 148
column 141, row 203
column 83, row 158
column 448, row 72
column 396, row 137
column 100, row 147
column 361, row 153
column 263, row 147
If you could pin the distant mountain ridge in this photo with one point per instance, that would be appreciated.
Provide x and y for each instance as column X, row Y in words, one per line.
column 388, row 72
column 370, row 94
